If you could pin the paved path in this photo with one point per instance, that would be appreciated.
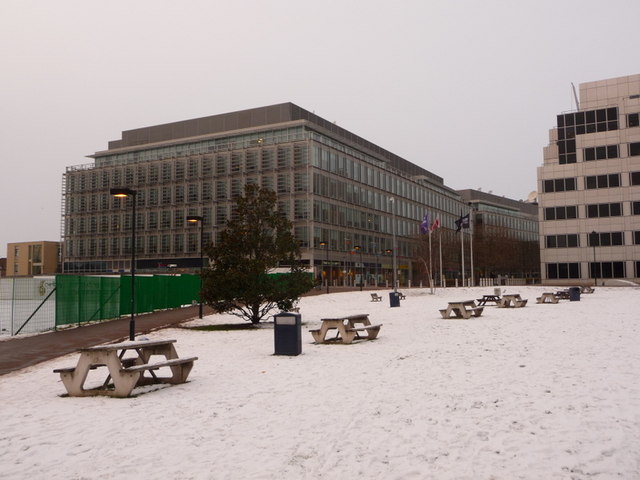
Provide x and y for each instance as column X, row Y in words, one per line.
column 21, row 352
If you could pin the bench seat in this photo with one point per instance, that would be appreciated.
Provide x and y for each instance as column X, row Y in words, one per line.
column 157, row 365
column 375, row 297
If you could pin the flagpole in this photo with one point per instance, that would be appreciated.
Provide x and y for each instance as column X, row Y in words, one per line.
column 430, row 264
column 471, row 251
column 440, row 248
column 462, row 249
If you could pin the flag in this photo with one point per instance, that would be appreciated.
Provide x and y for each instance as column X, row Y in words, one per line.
column 462, row 222
column 435, row 225
column 424, row 226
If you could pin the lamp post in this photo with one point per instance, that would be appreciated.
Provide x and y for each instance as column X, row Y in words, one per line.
column 124, row 193
column 193, row 219
column 358, row 249
column 594, row 236
column 326, row 247
column 388, row 251
column 395, row 246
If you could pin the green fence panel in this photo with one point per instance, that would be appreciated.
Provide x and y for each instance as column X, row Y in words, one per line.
column 83, row 299
column 67, row 299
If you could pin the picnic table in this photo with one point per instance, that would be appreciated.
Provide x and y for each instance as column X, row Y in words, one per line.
column 587, row 289
column 563, row 294
column 347, row 328
column 462, row 309
column 548, row 297
column 126, row 364
column 512, row 300
column 489, row 298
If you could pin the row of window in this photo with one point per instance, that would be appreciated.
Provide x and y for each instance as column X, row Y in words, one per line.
column 598, row 210
column 596, row 270
column 599, row 239
column 241, row 162
column 567, row 152
column 611, row 180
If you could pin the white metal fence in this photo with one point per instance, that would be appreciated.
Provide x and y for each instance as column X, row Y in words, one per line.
column 27, row 305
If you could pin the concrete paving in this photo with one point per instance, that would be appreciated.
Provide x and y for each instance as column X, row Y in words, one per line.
column 21, row 352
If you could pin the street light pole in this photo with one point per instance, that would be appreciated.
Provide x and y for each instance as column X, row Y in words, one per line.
column 594, row 235
column 193, row 219
column 124, row 193
column 395, row 246
column 326, row 247
column 359, row 250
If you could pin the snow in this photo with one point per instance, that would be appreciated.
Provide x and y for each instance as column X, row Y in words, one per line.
column 545, row 391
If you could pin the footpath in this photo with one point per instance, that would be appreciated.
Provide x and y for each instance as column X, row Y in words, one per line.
column 21, row 352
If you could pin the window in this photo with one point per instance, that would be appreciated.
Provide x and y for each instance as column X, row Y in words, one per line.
column 602, row 181
column 636, row 237
column 634, row 149
column 559, row 185
column 635, row 208
column 633, row 120
column 561, row 241
column 560, row 213
column 607, row 270
column 602, row 152
column 634, row 178
column 605, row 239
column 602, row 210
column 563, row 270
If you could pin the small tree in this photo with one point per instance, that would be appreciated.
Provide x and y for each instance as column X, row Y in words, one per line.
column 256, row 240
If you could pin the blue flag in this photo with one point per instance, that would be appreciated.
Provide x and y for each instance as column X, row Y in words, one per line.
column 424, row 226
column 462, row 222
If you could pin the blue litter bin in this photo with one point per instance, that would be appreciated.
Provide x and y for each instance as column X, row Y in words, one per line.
column 574, row 294
column 287, row 334
column 394, row 299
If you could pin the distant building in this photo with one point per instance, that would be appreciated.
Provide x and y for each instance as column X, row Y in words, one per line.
column 505, row 235
column 589, row 187
column 32, row 258
column 339, row 190
column 3, row 267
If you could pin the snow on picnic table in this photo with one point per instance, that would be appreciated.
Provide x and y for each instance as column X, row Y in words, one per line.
column 544, row 391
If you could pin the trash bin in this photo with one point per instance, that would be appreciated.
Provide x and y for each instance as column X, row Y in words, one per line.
column 287, row 333
column 394, row 299
column 574, row 294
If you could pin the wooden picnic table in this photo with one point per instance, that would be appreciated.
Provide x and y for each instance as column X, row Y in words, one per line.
column 512, row 300
column 462, row 309
column 347, row 328
column 126, row 364
column 587, row 289
column 489, row 298
column 562, row 294
column 548, row 297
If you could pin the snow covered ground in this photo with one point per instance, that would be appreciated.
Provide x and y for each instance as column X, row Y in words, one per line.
column 541, row 392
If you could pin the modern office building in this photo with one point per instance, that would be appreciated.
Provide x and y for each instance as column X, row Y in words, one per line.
column 32, row 258
column 343, row 194
column 589, row 187
column 505, row 235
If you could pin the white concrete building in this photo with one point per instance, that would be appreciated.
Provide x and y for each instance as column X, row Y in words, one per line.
column 589, row 188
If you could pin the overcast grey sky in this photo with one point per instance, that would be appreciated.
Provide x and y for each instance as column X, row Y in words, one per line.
column 467, row 89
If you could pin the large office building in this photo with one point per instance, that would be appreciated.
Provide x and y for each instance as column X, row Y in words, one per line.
column 343, row 194
column 589, row 187
column 505, row 236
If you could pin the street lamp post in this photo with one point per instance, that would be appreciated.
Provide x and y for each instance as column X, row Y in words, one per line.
column 594, row 236
column 358, row 249
column 193, row 219
column 328, row 276
column 124, row 193
column 395, row 246
column 388, row 251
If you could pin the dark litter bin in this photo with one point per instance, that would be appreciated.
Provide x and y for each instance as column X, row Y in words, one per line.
column 574, row 294
column 287, row 335
column 394, row 299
